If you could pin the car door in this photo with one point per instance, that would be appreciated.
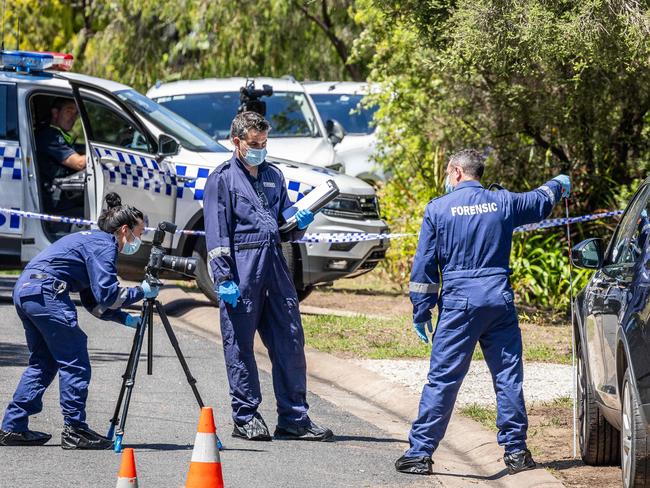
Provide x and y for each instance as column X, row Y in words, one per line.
column 12, row 169
column 610, row 291
column 124, row 155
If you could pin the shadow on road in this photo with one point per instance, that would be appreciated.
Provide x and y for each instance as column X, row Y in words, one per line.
column 13, row 354
column 493, row 477
column 361, row 438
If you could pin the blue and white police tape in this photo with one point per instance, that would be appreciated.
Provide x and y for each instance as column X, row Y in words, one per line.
column 316, row 237
column 545, row 224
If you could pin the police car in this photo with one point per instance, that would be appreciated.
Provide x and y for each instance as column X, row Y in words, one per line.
column 156, row 161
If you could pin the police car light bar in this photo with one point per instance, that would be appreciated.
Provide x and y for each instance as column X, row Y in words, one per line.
column 62, row 61
column 28, row 61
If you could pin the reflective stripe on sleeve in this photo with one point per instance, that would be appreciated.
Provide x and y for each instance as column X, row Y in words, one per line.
column 423, row 287
column 217, row 252
column 549, row 192
column 122, row 295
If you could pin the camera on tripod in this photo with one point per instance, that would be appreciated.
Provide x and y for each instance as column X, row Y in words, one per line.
column 249, row 98
column 160, row 260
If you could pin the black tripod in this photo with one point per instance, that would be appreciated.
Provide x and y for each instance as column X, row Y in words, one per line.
column 148, row 307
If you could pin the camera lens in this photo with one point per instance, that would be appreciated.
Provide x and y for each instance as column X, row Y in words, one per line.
column 186, row 266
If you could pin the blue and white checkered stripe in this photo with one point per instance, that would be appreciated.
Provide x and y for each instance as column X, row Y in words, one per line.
column 191, row 181
column 11, row 175
column 297, row 190
column 136, row 171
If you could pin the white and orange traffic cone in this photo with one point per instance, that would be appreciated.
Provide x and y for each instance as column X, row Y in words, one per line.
column 205, row 468
column 127, row 477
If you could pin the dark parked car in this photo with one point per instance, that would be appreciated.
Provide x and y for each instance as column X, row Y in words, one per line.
column 613, row 345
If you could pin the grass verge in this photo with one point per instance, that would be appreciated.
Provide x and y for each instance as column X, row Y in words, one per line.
column 394, row 338
column 486, row 416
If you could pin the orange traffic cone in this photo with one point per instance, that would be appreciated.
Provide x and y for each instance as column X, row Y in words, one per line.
column 205, row 468
column 127, row 477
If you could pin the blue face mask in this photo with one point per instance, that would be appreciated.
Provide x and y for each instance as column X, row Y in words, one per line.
column 448, row 187
column 131, row 247
column 255, row 157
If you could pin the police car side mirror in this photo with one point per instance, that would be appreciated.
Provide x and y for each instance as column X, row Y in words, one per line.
column 588, row 254
column 167, row 146
column 335, row 131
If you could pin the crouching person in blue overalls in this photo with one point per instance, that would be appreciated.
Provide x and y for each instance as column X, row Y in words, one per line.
column 465, row 243
column 84, row 262
column 243, row 204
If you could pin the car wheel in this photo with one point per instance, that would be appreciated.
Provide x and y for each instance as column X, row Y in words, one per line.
column 290, row 254
column 599, row 440
column 203, row 273
column 635, row 451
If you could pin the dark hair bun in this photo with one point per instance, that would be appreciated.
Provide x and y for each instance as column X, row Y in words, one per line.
column 113, row 200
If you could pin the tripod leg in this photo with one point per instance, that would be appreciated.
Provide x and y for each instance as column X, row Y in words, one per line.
column 150, row 344
column 137, row 344
column 129, row 381
column 174, row 342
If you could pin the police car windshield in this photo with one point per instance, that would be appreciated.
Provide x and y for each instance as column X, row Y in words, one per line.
column 289, row 112
column 190, row 137
column 347, row 109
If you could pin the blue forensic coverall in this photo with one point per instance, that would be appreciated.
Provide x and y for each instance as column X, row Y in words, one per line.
column 242, row 215
column 84, row 262
column 465, row 239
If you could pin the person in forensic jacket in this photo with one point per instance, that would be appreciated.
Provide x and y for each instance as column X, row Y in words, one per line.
column 243, row 203
column 465, row 244
column 83, row 262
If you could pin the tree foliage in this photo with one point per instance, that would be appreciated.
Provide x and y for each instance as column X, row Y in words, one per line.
column 546, row 86
column 141, row 41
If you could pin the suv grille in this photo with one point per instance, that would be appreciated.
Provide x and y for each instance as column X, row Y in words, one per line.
column 353, row 207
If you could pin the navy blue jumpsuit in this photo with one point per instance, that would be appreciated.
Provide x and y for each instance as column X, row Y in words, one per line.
column 465, row 239
column 243, row 241
column 84, row 262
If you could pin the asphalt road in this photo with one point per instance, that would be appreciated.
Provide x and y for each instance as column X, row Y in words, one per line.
column 162, row 424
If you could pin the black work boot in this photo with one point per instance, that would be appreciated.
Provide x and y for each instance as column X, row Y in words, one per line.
column 84, row 438
column 254, row 430
column 26, row 438
column 414, row 465
column 311, row 432
column 519, row 461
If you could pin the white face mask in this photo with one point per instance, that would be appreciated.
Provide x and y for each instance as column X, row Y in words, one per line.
column 448, row 186
column 133, row 246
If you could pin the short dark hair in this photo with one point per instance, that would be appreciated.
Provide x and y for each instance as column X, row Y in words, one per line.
column 472, row 162
column 116, row 215
column 246, row 121
column 60, row 102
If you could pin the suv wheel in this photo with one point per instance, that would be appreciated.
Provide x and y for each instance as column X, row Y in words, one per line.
column 203, row 273
column 635, row 451
column 599, row 441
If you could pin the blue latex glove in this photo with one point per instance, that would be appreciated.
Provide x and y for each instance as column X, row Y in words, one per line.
column 566, row 184
column 229, row 292
column 132, row 321
column 421, row 332
column 149, row 291
column 304, row 217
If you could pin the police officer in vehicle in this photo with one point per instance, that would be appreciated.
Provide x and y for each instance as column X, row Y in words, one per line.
column 84, row 262
column 55, row 152
column 243, row 204
column 465, row 244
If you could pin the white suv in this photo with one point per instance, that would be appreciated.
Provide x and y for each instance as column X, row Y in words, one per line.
column 339, row 102
column 158, row 162
column 298, row 133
